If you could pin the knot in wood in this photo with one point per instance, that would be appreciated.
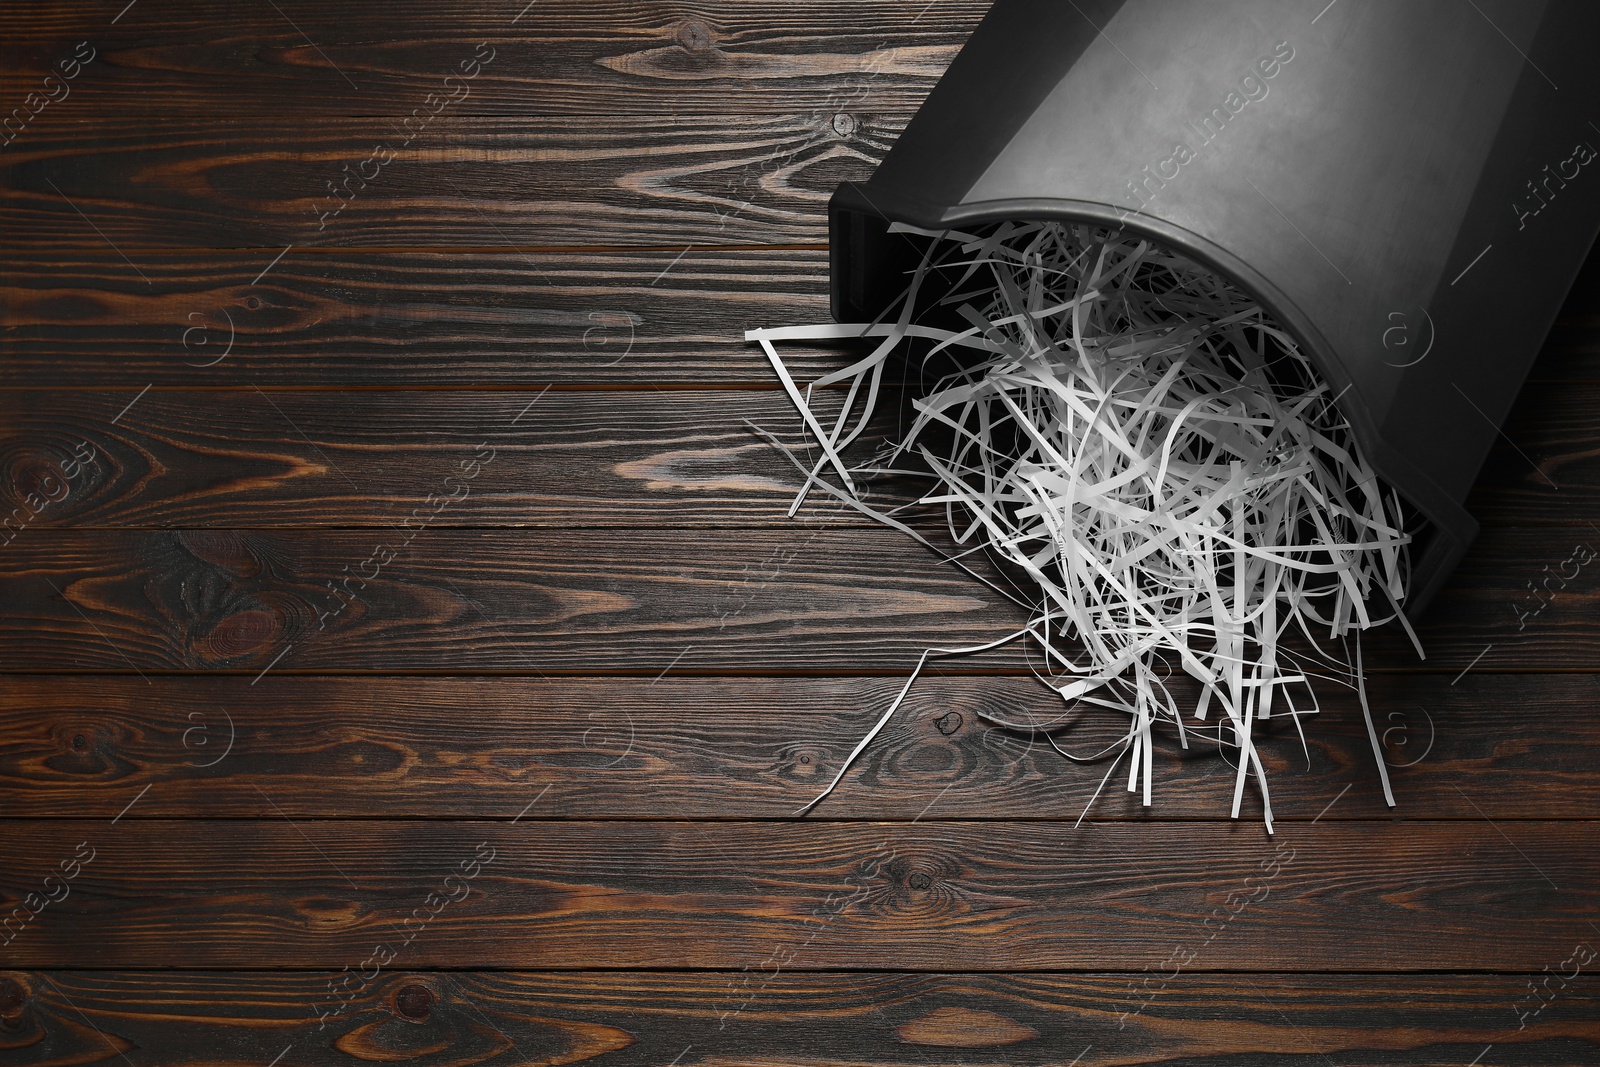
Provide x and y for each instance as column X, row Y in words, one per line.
column 414, row 1002
column 38, row 480
column 12, row 997
column 694, row 36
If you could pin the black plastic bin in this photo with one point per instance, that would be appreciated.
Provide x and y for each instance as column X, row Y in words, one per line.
column 1408, row 186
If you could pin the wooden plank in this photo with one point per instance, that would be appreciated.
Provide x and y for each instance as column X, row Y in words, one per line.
column 1546, row 464
column 1522, row 596
column 80, row 747
column 308, row 58
column 770, row 1016
column 239, row 458
column 997, row 895
column 558, row 458
column 524, row 600
column 406, row 318
column 817, row 599
column 479, row 182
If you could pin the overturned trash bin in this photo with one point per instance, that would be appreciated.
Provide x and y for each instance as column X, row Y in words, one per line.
column 1222, row 305
column 1408, row 188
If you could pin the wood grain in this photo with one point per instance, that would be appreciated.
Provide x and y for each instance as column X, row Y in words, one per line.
column 406, row 319
column 562, row 894
column 704, row 748
column 523, row 601
column 558, row 458
column 818, row 599
column 658, row 181
column 254, row 458
column 607, row 656
column 1546, row 464
column 475, row 1017
column 307, row 58
column 472, row 317
column 1520, row 597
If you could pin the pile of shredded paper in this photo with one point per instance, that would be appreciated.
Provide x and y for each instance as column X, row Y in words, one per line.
column 1140, row 440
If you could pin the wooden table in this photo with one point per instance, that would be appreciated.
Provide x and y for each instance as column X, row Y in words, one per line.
column 406, row 656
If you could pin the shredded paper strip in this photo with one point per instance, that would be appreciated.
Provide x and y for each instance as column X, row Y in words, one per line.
column 1136, row 436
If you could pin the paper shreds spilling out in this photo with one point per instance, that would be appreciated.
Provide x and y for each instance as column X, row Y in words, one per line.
column 1144, row 443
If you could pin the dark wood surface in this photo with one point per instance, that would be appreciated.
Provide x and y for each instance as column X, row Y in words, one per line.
column 760, row 599
column 662, row 318
column 249, row 457
column 463, row 318
column 524, row 792
column 608, row 57
column 478, row 182
column 679, row 747
column 634, row 1018
column 915, row 896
